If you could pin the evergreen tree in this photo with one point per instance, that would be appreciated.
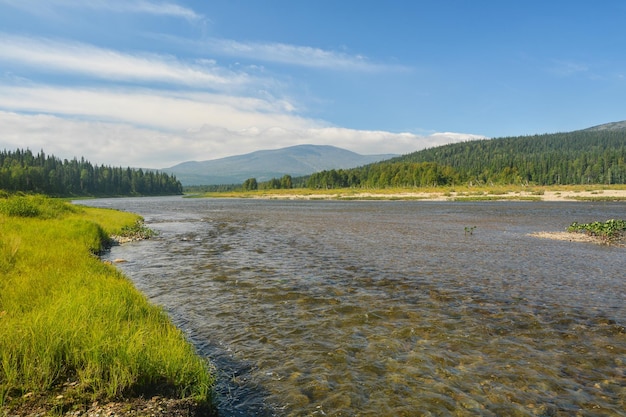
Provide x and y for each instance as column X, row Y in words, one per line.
column 20, row 170
column 581, row 157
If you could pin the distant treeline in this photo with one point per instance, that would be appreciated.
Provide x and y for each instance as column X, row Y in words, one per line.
column 211, row 188
column 250, row 184
column 285, row 182
column 581, row 157
column 386, row 174
column 21, row 170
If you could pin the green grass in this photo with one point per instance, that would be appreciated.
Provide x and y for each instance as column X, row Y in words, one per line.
column 68, row 318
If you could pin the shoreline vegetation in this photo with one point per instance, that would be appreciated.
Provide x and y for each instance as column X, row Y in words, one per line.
column 76, row 336
column 458, row 193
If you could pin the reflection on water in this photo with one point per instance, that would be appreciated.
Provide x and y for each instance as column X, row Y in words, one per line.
column 390, row 308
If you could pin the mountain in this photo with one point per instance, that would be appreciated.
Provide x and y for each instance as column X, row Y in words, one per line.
column 593, row 155
column 596, row 155
column 299, row 160
column 608, row 126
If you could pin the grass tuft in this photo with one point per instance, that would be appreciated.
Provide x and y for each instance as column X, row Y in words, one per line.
column 66, row 317
column 34, row 206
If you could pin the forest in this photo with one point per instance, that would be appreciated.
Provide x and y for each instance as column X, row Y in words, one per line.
column 580, row 157
column 23, row 171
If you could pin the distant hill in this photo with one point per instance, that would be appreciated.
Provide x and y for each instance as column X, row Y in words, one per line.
column 608, row 126
column 264, row 165
column 596, row 155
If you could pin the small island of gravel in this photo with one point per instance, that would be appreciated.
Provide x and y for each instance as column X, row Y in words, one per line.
column 611, row 232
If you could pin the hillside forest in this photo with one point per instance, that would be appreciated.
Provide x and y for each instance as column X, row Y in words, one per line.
column 580, row 157
column 23, row 171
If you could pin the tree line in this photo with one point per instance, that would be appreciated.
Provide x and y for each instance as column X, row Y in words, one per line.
column 581, row 157
column 386, row 174
column 285, row 182
column 21, row 170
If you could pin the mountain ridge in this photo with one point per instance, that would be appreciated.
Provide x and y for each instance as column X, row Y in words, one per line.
column 304, row 160
column 297, row 160
column 608, row 126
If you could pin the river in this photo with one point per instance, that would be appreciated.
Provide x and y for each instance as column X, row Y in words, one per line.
column 390, row 308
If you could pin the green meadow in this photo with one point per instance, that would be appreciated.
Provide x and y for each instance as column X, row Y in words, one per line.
column 72, row 328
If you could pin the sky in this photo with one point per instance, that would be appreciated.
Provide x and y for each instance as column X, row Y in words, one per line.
column 151, row 83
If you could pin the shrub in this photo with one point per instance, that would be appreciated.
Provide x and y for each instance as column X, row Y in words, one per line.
column 609, row 230
column 34, row 206
column 19, row 207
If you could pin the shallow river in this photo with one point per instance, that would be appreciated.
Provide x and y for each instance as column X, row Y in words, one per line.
column 390, row 308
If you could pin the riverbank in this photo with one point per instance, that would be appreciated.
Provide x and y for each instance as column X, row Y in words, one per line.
column 77, row 337
column 495, row 193
column 556, row 195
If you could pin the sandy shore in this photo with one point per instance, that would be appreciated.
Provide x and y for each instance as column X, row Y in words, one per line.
column 579, row 237
column 454, row 196
column 576, row 196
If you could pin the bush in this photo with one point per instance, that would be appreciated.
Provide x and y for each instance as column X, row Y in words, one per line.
column 34, row 206
column 610, row 229
column 19, row 207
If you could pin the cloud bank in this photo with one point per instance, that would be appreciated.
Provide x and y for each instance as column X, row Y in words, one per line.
column 304, row 56
column 125, row 144
column 75, row 58
column 128, row 108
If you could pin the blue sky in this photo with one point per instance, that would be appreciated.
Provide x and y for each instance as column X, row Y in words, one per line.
column 153, row 83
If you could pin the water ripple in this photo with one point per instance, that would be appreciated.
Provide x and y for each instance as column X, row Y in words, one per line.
column 389, row 308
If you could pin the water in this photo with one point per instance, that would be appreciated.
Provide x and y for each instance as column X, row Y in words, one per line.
column 390, row 308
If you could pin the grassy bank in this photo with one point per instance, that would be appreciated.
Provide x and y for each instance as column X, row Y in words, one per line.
column 74, row 330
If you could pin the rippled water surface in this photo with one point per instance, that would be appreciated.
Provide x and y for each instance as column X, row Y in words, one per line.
column 390, row 308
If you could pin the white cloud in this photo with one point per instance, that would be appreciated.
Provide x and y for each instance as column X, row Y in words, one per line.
column 79, row 58
column 160, row 8
column 162, row 110
column 276, row 52
column 118, row 6
column 99, row 142
column 205, row 112
column 305, row 56
column 122, row 144
column 379, row 142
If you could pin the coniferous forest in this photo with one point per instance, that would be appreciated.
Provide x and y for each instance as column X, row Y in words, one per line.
column 21, row 170
column 580, row 157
